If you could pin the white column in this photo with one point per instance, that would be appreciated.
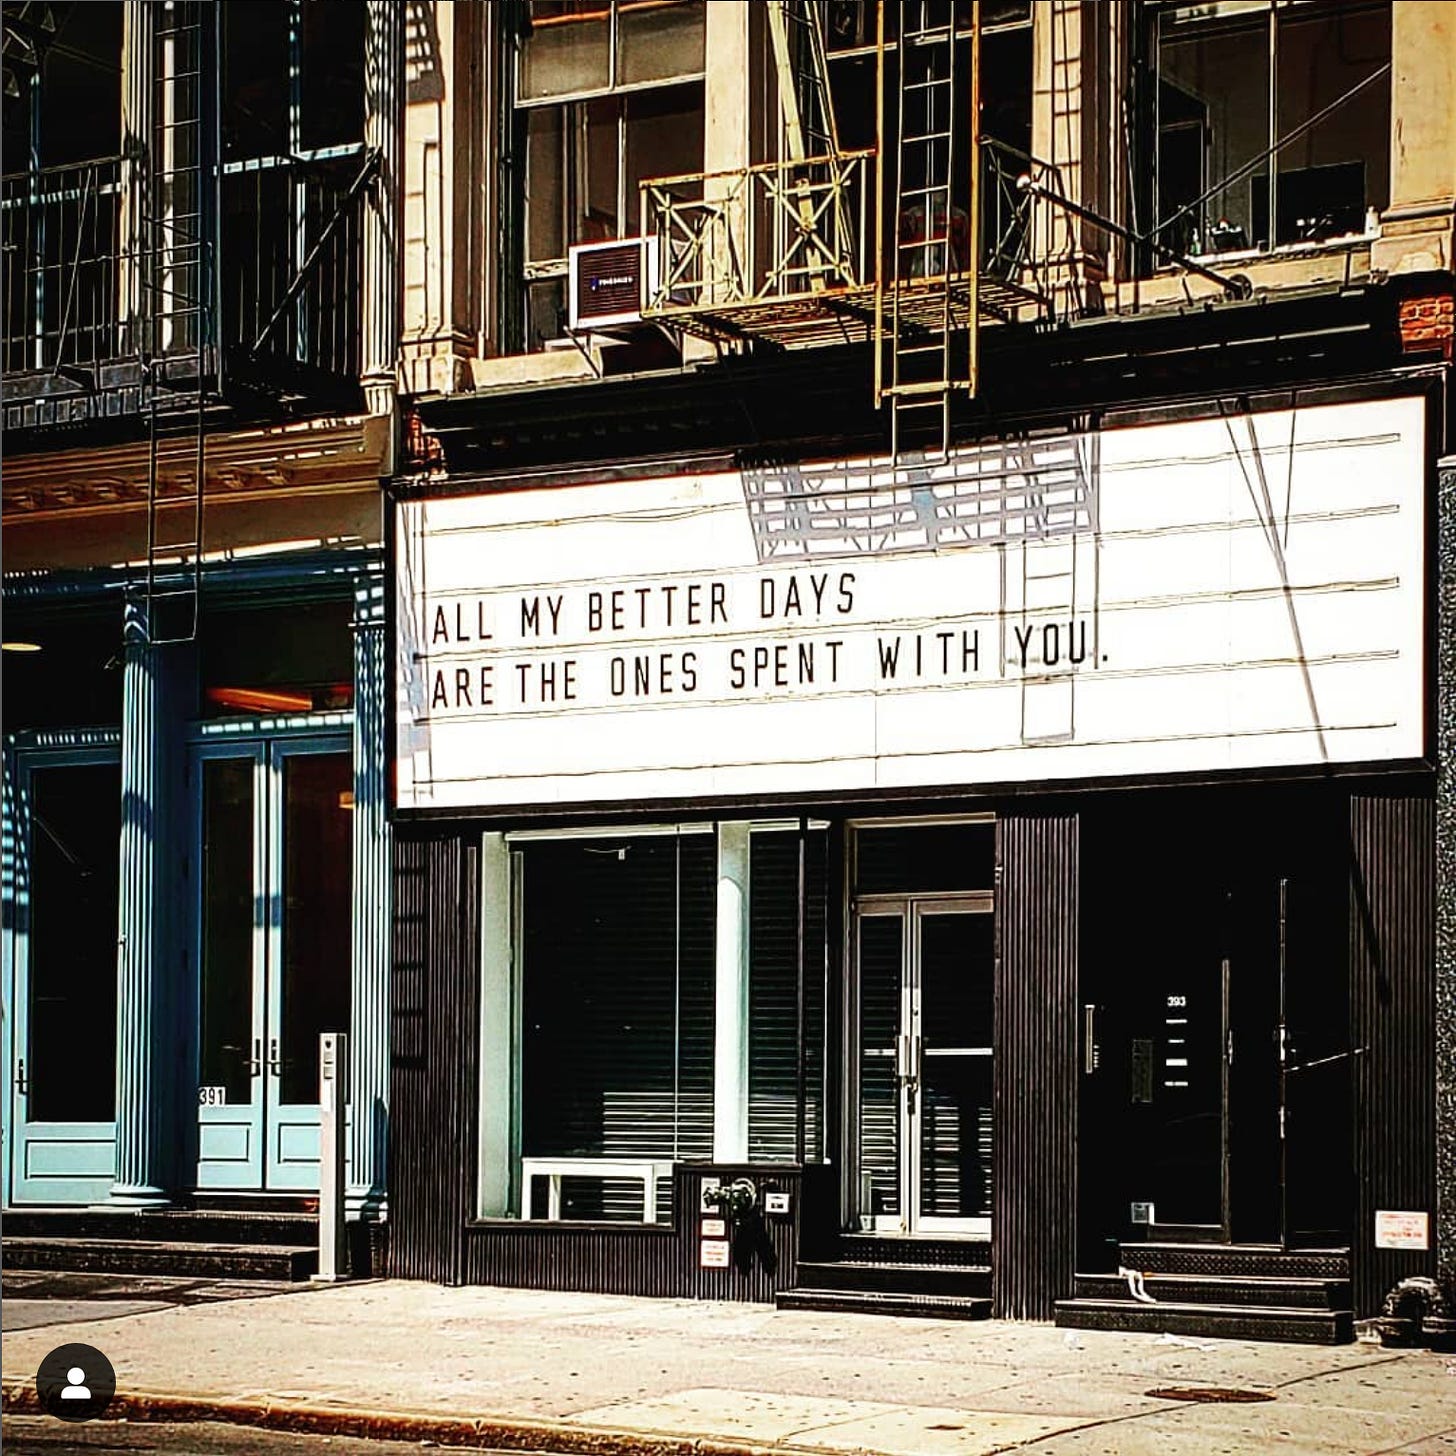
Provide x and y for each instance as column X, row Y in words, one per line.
column 384, row 46
column 730, row 1040
column 497, row 1031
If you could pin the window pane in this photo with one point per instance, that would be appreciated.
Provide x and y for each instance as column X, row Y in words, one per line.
column 1331, row 174
column 664, row 139
column 595, row 163
column 617, row 1039
column 228, row 923
column 658, row 40
column 333, row 73
column 75, row 831
column 254, row 80
column 566, row 48
column 293, row 659
column 545, row 153
column 920, row 860
column 80, row 94
column 545, row 311
column 1213, row 117
column 318, row 795
column 773, row 1057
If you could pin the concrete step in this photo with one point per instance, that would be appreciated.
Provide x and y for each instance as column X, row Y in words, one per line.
column 896, row 1278
column 151, row 1256
column 872, row 1301
column 1223, row 1289
column 1211, row 1321
column 174, row 1225
column 1237, row 1260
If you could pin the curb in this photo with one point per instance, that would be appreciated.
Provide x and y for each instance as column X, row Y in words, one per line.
column 563, row 1438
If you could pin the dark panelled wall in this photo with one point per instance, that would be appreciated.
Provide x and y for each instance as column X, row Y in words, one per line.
column 433, row 1079
column 1393, row 1012
column 1034, row 1157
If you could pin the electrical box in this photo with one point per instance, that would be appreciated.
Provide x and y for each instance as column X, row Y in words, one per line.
column 776, row 1203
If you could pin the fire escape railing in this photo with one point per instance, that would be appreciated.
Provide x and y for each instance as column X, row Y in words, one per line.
column 60, row 239
column 790, row 230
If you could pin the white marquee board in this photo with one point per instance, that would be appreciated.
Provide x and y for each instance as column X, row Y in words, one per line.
column 1215, row 594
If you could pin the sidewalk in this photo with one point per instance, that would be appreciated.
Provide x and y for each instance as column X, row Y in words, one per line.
column 525, row 1369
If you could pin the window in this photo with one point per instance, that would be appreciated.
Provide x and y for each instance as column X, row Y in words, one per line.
column 617, row 994
column 1240, row 86
column 289, row 659
column 292, row 138
column 608, row 93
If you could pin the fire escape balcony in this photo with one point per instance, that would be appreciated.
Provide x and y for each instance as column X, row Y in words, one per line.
column 253, row 298
column 793, row 252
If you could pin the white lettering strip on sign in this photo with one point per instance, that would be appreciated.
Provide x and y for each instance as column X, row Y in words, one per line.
column 1201, row 595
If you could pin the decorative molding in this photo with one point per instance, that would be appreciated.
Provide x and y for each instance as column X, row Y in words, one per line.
column 319, row 455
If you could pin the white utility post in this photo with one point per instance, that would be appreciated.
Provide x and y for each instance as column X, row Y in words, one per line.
column 333, row 1080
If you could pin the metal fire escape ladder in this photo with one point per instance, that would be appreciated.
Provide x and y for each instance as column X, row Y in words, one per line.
column 177, row 335
column 926, row 304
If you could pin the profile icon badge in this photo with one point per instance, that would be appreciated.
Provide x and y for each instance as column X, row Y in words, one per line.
column 75, row 1382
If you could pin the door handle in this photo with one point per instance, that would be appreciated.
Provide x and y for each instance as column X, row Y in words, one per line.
column 275, row 1066
column 1089, row 1039
column 255, row 1062
column 21, row 1084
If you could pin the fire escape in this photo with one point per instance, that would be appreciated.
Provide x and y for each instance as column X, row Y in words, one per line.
column 910, row 246
column 160, row 294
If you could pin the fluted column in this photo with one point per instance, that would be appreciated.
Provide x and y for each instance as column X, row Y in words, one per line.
column 383, row 133
column 369, row 970
column 141, row 1077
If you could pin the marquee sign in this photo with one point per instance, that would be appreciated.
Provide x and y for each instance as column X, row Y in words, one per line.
column 1225, row 593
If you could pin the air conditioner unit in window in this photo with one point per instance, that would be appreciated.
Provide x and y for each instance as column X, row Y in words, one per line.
column 609, row 282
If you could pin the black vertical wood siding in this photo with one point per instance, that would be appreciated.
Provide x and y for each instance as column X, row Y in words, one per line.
column 433, row 1041
column 1392, row 966
column 1034, row 1152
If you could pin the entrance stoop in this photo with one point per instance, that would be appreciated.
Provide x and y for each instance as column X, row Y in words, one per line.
column 1221, row 1291
column 278, row 1244
column 919, row 1277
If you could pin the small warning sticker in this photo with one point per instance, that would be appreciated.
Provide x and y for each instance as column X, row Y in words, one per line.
column 713, row 1253
column 1401, row 1229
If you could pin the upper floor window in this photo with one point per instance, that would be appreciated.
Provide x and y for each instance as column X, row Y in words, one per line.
column 1272, row 122
column 607, row 93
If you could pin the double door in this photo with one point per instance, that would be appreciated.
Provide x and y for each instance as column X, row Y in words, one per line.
column 924, row 999
column 272, row 948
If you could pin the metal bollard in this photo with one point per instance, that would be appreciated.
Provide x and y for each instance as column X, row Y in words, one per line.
column 333, row 1093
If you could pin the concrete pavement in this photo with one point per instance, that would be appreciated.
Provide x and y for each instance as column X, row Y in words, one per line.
column 593, row 1372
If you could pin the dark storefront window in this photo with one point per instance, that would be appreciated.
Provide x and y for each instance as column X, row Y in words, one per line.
column 618, row 1006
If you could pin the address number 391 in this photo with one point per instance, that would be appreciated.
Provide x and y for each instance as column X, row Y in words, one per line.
column 212, row 1096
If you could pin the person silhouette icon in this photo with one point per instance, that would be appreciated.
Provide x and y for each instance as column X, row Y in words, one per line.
column 76, row 1382
column 75, row 1385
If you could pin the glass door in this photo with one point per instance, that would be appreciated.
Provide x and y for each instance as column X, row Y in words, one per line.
column 62, row 827
column 273, row 952
column 924, row 1006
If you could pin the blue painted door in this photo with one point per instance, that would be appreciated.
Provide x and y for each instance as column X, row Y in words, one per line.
column 62, row 824
column 273, row 949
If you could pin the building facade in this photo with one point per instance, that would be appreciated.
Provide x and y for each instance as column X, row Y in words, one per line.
column 922, row 661
column 202, row 302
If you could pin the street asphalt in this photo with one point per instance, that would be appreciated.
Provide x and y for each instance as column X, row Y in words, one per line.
column 528, row 1370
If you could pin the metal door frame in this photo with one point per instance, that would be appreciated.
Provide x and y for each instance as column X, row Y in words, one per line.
column 910, row 909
